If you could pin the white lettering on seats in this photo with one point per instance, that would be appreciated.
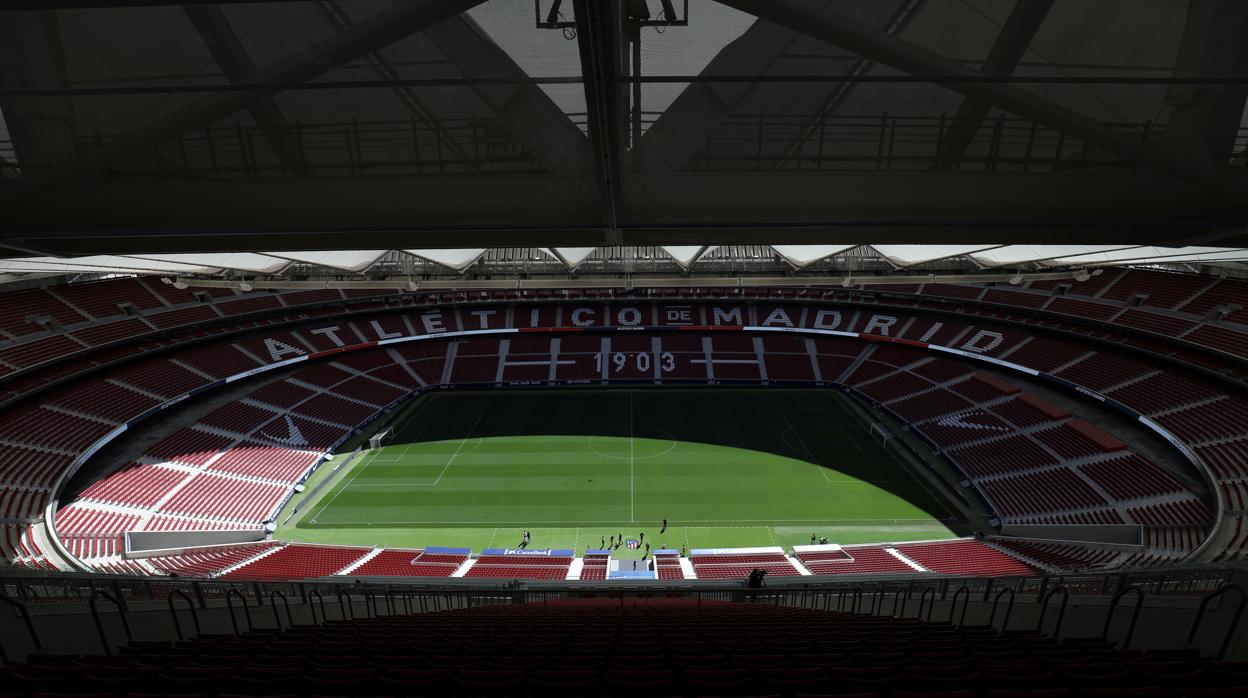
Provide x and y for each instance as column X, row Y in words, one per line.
column 628, row 317
column 719, row 316
column 483, row 317
column 931, row 332
column 332, row 333
column 381, row 333
column 433, row 322
column 994, row 340
column 827, row 320
column 579, row 313
column 882, row 323
column 278, row 350
column 778, row 317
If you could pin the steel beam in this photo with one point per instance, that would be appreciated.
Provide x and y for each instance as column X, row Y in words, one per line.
column 1020, row 28
column 41, row 129
column 598, row 35
column 1204, row 120
column 684, row 127
column 868, row 42
column 551, row 211
column 218, row 35
column 531, row 116
column 377, row 31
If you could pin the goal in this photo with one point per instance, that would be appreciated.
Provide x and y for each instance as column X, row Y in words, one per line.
column 381, row 438
column 880, row 434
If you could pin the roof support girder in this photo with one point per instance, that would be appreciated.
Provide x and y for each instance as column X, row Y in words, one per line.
column 679, row 209
column 41, row 129
column 531, row 116
column 1020, row 28
column 837, row 29
column 1205, row 119
column 218, row 35
column 379, row 30
column 598, row 35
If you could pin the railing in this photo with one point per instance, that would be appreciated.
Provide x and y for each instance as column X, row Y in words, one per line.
column 744, row 141
column 886, row 142
column 1198, row 591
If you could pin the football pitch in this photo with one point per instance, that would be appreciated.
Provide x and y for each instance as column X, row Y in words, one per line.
column 726, row 467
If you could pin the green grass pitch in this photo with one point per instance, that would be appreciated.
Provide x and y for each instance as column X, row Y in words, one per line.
column 727, row 467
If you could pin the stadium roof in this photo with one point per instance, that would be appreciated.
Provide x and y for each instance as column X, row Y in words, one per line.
column 837, row 259
column 181, row 127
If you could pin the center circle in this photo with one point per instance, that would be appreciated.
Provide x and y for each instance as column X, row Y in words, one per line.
column 645, row 442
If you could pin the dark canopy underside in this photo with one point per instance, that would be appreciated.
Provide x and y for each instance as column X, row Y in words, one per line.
column 143, row 126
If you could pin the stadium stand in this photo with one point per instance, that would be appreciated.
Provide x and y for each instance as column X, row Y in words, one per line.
column 647, row 647
column 298, row 561
column 1197, row 410
column 520, row 567
column 738, row 565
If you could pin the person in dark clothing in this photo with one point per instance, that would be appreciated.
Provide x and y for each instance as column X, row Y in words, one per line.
column 756, row 578
column 664, row 529
column 812, row 539
column 642, row 539
column 683, row 551
column 602, row 543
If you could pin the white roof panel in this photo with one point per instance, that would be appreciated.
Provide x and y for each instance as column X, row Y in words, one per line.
column 350, row 260
column 805, row 255
column 458, row 260
column 102, row 264
column 573, row 256
column 908, row 255
column 1021, row 254
column 686, row 255
column 237, row 261
column 1135, row 255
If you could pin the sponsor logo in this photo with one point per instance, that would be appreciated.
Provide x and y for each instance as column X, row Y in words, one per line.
column 175, row 401
column 1089, row 393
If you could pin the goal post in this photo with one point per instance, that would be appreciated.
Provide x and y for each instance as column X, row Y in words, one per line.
column 880, row 434
column 381, row 438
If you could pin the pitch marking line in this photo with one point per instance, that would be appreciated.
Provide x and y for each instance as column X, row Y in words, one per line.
column 814, row 459
column 458, row 450
column 906, row 467
column 363, row 465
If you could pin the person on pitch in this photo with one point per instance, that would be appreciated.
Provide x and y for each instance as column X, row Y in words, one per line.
column 664, row 529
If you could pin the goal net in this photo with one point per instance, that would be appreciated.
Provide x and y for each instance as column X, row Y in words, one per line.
column 381, row 438
column 880, row 434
